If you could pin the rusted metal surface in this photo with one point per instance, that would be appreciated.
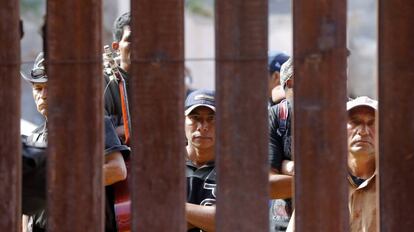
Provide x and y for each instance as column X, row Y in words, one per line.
column 241, row 129
column 75, row 158
column 320, row 150
column 10, row 158
column 396, row 115
column 157, row 113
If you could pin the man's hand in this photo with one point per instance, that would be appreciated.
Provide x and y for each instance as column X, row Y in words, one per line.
column 120, row 131
column 114, row 169
column 288, row 167
column 200, row 216
column 280, row 186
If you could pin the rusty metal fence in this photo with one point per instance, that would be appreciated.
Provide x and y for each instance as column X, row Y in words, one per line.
column 75, row 191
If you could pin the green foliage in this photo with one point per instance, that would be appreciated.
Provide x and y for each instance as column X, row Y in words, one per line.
column 201, row 7
column 31, row 5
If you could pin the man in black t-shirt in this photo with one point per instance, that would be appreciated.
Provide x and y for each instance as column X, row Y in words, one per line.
column 280, row 156
column 121, row 44
column 200, row 168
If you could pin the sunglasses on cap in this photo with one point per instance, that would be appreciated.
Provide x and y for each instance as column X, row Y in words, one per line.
column 38, row 70
column 38, row 73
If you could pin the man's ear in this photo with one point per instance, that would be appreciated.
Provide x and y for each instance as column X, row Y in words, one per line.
column 289, row 83
column 274, row 80
column 276, row 77
column 115, row 45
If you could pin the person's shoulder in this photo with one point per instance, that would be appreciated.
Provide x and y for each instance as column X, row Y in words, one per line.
column 279, row 110
column 41, row 128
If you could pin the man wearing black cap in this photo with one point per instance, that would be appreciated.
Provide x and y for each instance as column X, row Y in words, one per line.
column 275, row 62
column 200, row 168
column 280, row 156
column 34, row 157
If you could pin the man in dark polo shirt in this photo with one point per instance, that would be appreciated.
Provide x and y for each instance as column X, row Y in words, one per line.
column 200, row 168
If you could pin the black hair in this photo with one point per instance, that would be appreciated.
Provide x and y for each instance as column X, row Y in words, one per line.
column 119, row 24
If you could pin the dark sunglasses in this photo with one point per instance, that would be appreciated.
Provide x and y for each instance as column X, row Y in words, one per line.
column 38, row 73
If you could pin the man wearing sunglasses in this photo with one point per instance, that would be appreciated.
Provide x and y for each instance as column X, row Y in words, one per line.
column 34, row 158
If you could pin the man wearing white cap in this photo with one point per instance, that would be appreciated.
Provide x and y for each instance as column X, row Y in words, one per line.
column 361, row 163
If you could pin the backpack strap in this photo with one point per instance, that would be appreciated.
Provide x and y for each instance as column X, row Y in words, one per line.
column 283, row 113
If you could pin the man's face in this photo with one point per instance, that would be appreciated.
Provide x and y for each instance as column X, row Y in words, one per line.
column 200, row 127
column 40, row 97
column 124, row 47
column 361, row 131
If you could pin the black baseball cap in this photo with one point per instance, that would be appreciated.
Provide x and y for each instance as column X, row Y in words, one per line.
column 275, row 61
column 200, row 97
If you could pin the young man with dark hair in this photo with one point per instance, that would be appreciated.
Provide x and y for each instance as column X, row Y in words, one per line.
column 121, row 33
column 200, row 160
column 275, row 62
column 280, row 156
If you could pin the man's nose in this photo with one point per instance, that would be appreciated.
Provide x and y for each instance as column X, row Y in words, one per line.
column 363, row 129
column 44, row 93
column 203, row 125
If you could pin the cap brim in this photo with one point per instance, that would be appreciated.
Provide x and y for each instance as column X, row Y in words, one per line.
column 31, row 80
column 353, row 106
column 191, row 108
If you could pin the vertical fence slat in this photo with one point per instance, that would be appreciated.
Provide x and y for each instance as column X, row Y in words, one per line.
column 396, row 115
column 10, row 160
column 320, row 150
column 157, row 112
column 241, row 146
column 75, row 200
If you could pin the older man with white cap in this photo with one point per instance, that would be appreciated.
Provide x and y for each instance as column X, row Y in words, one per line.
column 361, row 163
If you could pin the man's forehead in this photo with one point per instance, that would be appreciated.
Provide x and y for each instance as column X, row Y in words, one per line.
column 361, row 110
column 39, row 84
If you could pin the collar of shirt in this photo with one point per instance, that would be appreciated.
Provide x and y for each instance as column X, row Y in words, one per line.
column 363, row 184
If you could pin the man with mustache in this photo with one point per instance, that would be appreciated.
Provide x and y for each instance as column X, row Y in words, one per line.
column 200, row 128
column 34, row 158
column 200, row 167
column 361, row 163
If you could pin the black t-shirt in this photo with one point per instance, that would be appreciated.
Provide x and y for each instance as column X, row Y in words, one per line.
column 34, row 178
column 280, row 140
column 112, row 106
column 201, row 185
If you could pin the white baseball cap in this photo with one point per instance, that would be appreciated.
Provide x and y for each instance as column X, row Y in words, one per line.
column 362, row 101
